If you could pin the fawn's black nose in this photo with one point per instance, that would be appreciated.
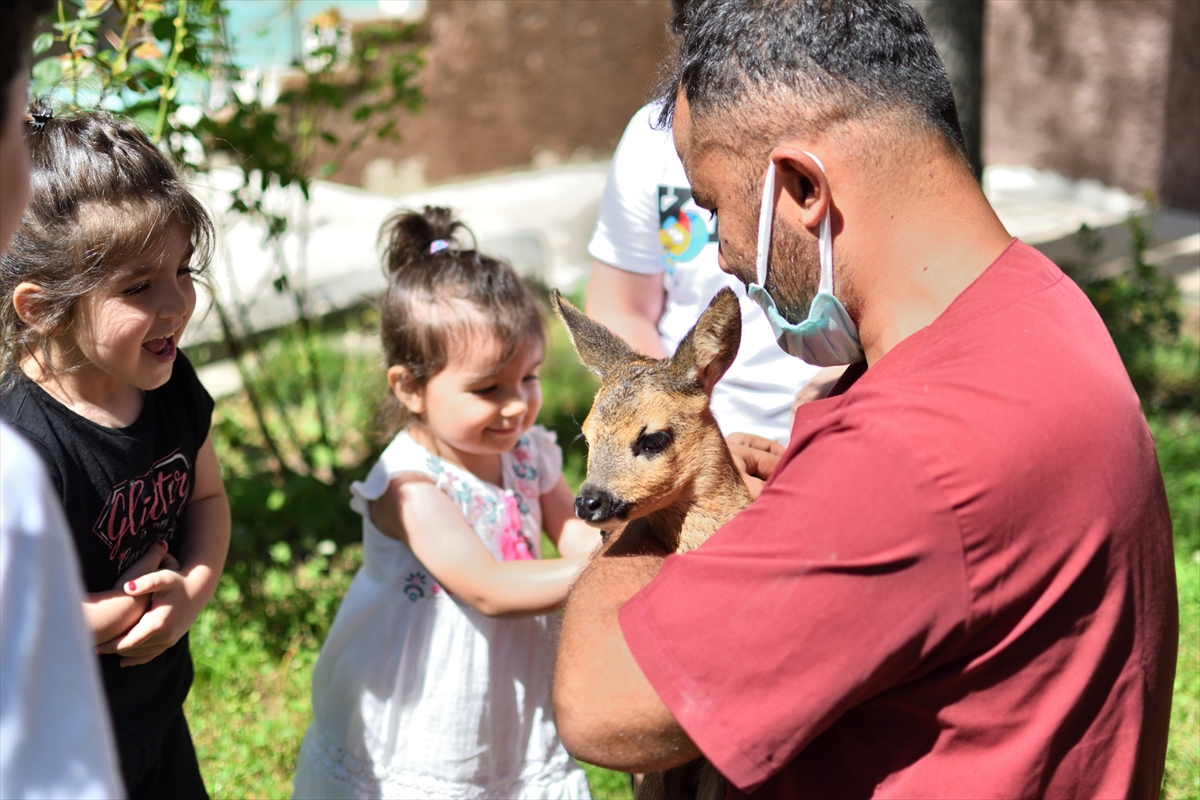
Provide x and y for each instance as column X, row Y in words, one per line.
column 596, row 505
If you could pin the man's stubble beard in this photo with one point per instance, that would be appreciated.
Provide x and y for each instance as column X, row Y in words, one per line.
column 793, row 271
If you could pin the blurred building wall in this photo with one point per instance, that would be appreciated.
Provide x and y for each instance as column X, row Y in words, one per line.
column 1105, row 89
column 514, row 82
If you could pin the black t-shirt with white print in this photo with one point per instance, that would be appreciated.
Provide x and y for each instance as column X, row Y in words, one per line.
column 123, row 490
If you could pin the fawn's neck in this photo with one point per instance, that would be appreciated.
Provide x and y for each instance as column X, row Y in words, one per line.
column 716, row 494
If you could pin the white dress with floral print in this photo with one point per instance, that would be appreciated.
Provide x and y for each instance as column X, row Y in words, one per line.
column 417, row 694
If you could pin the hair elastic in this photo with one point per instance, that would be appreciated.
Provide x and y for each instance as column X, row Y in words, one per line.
column 437, row 245
column 38, row 119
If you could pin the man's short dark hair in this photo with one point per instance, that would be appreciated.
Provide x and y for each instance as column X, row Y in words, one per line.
column 17, row 20
column 839, row 60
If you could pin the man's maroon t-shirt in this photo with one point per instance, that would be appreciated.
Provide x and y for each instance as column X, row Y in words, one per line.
column 958, row 582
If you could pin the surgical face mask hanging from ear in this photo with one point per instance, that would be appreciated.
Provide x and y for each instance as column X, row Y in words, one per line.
column 827, row 336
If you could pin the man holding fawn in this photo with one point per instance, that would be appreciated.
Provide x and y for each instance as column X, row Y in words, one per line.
column 958, row 580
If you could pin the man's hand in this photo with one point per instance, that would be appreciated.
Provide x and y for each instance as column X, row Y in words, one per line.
column 755, row 457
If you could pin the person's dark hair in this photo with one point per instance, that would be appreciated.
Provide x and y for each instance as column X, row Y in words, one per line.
column 102, row 195
column 17, row 22
column 679, row 9
column 812, row 63
column 440, row 294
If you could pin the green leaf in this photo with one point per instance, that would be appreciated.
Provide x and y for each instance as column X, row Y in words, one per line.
column 281, row 553
column 322, row 456
column 163, row 29
column 42, row 43
column 46, row 73
column 146, row 119
column 276, row 499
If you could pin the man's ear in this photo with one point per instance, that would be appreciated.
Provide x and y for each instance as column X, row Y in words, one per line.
column 404, row 388
column 803, row 188
column 29, row 301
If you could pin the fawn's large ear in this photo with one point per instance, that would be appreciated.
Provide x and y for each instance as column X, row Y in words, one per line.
column 599, row 348
column 710, row 347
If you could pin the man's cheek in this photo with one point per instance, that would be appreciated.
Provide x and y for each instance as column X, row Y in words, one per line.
column 733, row 262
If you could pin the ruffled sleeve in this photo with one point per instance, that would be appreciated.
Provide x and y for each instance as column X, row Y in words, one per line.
column 402, row 455
column 547, row 457
column 370, row 488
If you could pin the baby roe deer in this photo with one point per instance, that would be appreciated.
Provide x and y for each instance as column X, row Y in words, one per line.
column 655, row 454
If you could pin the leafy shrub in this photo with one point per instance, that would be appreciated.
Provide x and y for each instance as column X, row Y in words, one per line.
column 1143, row 313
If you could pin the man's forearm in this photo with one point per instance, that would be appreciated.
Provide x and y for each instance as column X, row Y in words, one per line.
column 606, row 710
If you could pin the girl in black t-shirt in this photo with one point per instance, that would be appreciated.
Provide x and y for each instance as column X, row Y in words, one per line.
column 97, row 288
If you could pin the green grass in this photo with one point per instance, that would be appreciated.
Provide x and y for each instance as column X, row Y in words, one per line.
column 1182, row 779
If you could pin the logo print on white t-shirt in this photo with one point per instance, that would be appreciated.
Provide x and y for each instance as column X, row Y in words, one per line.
column 683, row 233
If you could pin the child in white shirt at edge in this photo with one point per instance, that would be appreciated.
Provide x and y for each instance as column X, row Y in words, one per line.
column 435, row 679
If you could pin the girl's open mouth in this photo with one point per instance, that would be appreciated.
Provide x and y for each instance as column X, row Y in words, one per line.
column 162, row 349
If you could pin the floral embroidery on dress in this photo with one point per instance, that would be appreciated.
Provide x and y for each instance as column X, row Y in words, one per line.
column 500, row 521
column 523, row 467
column 415, row 586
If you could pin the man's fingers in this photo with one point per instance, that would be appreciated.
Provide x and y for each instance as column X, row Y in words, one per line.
column 755, row 442
column 749, row 466
column 752, row 461
column 753, row 483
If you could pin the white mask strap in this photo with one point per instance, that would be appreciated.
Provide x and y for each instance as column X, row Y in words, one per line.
column 766, row 215
column 825, row 241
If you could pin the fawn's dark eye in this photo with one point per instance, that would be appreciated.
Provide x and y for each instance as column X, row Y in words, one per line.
column 651, row 444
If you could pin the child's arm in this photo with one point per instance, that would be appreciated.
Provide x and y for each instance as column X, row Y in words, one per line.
column 111, row 613
column 571, row 535
column 418, row 512
column 179, row 596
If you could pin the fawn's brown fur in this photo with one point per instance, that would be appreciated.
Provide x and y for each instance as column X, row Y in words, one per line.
column 655, row 453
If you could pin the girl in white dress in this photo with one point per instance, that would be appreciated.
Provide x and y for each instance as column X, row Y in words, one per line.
column 435, row 680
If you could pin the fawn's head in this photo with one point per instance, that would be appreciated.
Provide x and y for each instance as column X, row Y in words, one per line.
column 650, row 431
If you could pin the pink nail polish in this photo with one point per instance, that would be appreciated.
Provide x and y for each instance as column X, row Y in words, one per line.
column 162, row 544
column 131, row 586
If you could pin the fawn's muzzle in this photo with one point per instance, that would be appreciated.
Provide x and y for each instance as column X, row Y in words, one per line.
column 596, row 505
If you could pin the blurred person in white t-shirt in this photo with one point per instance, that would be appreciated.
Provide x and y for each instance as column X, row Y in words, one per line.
column 655, row 270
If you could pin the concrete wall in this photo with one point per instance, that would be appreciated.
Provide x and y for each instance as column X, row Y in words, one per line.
column 514, row 82
column 1105, row 89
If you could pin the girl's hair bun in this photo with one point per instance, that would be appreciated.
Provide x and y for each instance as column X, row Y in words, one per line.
column 413, row 236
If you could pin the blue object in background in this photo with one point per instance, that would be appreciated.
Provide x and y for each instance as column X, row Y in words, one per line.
column 268, row 33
